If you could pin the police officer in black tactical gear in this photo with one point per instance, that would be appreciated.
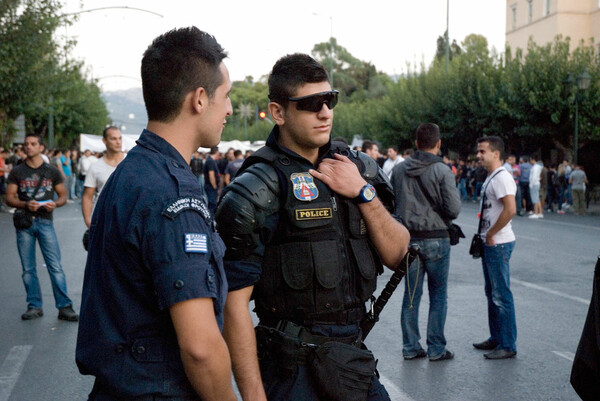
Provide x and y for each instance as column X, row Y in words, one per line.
column 307, row 233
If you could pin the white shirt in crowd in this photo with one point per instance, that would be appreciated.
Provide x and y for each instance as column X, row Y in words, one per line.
column 389, row 164
column 96, row 177
column 501, row 185
column 535, row 174
column 85, row 163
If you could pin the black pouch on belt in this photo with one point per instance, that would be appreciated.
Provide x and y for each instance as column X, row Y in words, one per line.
column 342, row 371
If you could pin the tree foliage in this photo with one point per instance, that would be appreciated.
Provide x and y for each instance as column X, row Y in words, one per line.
column 521, row 98
column 37, row 78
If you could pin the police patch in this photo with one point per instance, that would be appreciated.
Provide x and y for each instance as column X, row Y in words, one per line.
column 173, row 209
column 313, row 214
column 304, row 187
column 196, row 243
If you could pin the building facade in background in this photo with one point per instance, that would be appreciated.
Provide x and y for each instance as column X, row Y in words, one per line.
column 544, row 19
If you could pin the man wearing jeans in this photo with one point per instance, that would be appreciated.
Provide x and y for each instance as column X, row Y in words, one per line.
column 31, row 186
column 426, row 201
column 499, row 207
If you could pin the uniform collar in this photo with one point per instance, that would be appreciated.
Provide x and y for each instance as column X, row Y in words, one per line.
column 273, row 142
column 153, row 142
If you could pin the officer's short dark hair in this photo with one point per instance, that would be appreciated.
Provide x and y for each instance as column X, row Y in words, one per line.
column 291, row 72
column 496, row 144
column 428, row 135
column 105, row 131
column 175, row 64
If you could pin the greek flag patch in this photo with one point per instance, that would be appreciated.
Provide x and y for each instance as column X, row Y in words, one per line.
column 196, row 243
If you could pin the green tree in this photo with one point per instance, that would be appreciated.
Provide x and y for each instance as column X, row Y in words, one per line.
column 37, row 78
column 356, row 80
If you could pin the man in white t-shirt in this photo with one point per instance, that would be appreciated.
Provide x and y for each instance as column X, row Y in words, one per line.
column 100, row 171
column 393, row 159
column 535, row 175
column 498, row 209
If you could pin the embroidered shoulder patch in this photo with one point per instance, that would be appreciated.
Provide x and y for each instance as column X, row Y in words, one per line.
column 196, row 243
column 173, row 209
column 304, row 186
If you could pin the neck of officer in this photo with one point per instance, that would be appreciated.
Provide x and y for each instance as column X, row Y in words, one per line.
column 173, row 133
column 309, row 153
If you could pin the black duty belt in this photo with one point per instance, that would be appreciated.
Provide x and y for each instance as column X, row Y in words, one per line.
column 305, row 337
column 428, row 234
column 345, row 317
column 291, row 343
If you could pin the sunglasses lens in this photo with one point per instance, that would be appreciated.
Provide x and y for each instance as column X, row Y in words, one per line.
column 315, row 103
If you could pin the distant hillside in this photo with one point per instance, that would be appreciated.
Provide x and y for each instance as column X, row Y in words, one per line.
column 126, row 109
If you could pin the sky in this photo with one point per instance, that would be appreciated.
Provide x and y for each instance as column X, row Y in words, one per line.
column 390, row 34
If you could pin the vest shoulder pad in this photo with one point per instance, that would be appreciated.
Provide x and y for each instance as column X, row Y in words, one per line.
column 246, row 203
column 366, row 165
column 373, row 174
column 259, row 184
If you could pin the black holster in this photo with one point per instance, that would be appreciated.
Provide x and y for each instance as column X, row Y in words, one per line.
column 339, row 367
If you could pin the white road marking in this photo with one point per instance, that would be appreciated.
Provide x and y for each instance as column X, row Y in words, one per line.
column 565, row 354
column 395, row 393
column 11, row 369
column 549, row 291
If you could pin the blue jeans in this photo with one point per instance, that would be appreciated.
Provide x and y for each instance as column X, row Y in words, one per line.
column 434, row 259
column 501, row 307
column 211, row 196
column 43, row 231
column 477, row 190
column 462, row 188
column 519, row 199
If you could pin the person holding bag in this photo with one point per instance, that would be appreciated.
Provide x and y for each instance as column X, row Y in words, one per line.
column 497, row 210
column 427, row 201
column 31, row 188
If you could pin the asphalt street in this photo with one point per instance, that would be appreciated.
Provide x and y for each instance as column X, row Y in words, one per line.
column 551, row 273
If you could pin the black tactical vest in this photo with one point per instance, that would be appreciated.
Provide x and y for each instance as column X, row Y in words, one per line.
column 319, row 266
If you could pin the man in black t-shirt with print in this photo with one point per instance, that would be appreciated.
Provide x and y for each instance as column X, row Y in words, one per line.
column 31, row 187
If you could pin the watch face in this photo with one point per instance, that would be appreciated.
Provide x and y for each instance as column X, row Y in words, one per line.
column 368, row 193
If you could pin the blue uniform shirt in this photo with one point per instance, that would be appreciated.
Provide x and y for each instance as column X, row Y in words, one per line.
column 152, row 244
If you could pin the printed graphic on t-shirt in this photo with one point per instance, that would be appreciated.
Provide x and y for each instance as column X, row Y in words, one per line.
column 29, row 184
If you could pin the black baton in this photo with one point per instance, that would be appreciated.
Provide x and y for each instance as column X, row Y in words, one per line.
column 367, row 323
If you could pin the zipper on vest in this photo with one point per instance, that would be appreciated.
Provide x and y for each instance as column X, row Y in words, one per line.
column 334, row 203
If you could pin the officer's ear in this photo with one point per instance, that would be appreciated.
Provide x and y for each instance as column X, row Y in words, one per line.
column 277, row 111
column 199, row 100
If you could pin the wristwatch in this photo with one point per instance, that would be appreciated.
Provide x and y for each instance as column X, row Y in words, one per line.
column 367, row 194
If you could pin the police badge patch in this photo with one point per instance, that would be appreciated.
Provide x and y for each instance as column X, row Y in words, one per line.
column 304, row 187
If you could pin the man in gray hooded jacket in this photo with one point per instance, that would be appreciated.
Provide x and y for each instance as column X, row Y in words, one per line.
column 427, row 201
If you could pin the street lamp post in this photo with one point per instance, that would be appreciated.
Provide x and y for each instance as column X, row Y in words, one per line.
column 579, row 85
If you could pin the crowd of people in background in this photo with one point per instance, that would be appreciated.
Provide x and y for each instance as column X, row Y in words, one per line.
column 556, row 188
column 74, row 166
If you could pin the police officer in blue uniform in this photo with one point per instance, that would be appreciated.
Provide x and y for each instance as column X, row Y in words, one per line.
column 307, row 230
column 154, row 286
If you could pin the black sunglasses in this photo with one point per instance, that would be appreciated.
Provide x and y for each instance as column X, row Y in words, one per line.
column 315, row 101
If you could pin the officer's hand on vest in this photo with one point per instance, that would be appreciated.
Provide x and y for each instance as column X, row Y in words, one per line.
column 341, row 175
